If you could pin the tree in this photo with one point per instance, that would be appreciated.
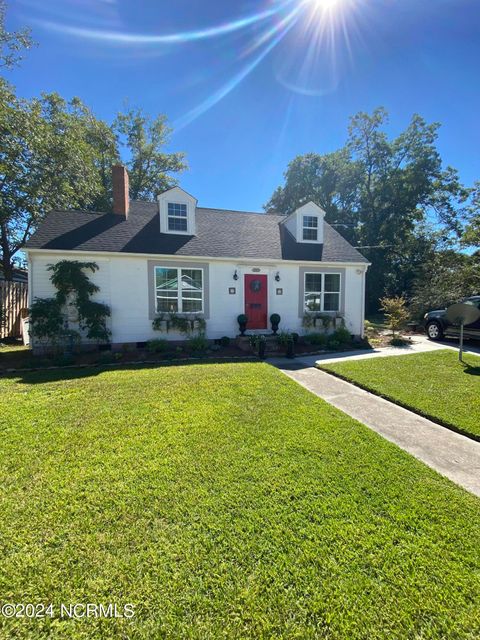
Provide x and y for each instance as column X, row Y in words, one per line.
column 395, row 311
column 471, row 236
column 53, row 155
column 330, row 180
column 150, row 167
column 56, row 154
column 11, row 43
column 447, row 278
column 380, row 193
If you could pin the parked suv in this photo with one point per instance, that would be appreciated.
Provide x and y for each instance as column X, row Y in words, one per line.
column 437, row 325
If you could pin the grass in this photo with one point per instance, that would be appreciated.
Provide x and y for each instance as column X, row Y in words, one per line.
column 15, row 356
column 377, row 322
column 223, row 501
column 434, row 384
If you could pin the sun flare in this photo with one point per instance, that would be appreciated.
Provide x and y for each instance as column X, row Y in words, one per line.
column 311, row 42
column 325, row 5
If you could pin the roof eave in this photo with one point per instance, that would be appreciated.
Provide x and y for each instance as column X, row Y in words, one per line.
column 169, row 256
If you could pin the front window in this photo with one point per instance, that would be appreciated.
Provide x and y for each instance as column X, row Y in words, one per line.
column 178, row 290
column 177, row 217
column 322, row 292
column 310, row 228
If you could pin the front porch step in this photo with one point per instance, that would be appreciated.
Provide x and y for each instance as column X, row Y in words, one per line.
column 258, row 332
column 243, row 342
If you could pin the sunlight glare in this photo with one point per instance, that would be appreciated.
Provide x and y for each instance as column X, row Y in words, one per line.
column 325, row 5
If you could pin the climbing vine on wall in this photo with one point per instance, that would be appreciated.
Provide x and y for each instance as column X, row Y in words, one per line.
column 49, row 317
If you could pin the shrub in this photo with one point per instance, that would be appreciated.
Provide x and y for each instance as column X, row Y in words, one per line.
column 63, row 361
column 197, row 343
column 318, row 339
column 242, row 319
column 395, row 312
column 341, row 336
column 275, row 318
column 258, row 343
column 157, row 345
column 333, row 344
column 224, row 341
column 106, row 357
column 398, row 342
column 253, row 341
column 283, row 337
column 46, row 319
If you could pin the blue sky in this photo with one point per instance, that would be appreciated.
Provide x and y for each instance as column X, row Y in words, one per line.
column 259, row 82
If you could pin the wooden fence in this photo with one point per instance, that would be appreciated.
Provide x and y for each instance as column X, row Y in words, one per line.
column 13, row 305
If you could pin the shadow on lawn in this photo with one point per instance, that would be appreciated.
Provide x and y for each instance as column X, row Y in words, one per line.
column 471, row 371
column 44, row 376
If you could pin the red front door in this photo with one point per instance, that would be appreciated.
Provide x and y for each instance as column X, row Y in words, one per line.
column 256, row 301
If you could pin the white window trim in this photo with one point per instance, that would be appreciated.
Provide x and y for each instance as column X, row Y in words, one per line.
column 323, row 292
column 174, row 217
column 176, row 195
column 179, row 297
column 306, row 215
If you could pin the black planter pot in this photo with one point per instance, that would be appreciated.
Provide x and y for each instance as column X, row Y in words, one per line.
column 290, row 349
column 243, row 328
column 262, row 346
column 275, row 328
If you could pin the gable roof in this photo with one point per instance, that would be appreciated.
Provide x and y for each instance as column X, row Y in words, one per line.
column 219, row 233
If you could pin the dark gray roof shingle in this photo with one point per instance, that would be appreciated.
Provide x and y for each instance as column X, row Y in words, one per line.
column 219, row 233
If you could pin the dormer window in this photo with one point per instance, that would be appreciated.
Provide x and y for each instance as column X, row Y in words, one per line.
column 305, row 224
column 177, row 217
column 310, row 228
column 177, row 210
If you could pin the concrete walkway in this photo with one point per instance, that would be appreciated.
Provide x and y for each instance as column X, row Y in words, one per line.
column 419, row 344
column 452, row 455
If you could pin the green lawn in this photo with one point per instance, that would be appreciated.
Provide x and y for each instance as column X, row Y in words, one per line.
column 223, row 501
column 15, row 356
column 434, row 384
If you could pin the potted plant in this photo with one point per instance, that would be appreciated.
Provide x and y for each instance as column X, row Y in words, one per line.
column 275, row 321
column 262, row 347
column 242, row 320
column 290, row 347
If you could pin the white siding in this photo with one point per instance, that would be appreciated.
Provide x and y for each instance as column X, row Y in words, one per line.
column 41, row 286
column 123, row 282
column 354, row 295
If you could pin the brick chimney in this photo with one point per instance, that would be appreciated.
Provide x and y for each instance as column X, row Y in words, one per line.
column 121, row 201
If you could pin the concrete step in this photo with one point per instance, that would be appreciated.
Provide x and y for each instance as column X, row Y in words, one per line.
column 272, row 346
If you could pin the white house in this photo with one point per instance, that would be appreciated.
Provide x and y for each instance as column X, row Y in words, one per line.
column 167, row 256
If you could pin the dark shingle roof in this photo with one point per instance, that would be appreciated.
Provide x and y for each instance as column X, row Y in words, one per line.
column 219, row 233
